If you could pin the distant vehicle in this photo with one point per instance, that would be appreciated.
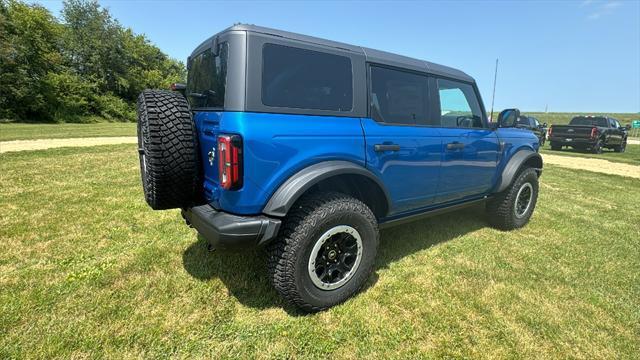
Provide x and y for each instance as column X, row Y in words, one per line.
column 589, row 133
column 531, row 123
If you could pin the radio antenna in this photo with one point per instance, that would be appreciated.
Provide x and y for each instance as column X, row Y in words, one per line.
column 493, row 97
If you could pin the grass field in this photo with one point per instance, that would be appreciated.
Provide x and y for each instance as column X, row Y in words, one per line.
column 630, row 156
column 15, row 131
column 88, row 270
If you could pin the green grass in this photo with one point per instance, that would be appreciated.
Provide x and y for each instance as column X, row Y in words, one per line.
column 630, row 156
column 17, row 131
column 88, row 270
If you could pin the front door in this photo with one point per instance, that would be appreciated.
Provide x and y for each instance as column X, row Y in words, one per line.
column 401, row 146
column 469, row 148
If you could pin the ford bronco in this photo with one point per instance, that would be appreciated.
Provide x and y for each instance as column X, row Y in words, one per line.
column 307, row 147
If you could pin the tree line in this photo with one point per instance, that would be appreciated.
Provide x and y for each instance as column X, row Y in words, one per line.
column 82, row 67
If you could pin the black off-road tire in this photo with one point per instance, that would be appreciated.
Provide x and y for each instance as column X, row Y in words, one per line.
column 288, row 255
column 168, row 150
column 501, row 208
column 555, row 146
column 620, row 148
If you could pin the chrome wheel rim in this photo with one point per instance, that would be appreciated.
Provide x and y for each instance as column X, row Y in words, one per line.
column 335, row 257
column 523, row 200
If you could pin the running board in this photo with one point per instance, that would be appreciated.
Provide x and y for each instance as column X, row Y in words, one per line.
column 430, row 213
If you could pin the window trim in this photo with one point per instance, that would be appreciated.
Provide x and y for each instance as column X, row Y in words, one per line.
column 430, row 109
column 483, row 115
column 433, row 97
column 353, row 85
column 253, row 80
column 191, row 57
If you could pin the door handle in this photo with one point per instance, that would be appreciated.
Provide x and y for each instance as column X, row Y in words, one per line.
column 455, row 145
column 386, row 147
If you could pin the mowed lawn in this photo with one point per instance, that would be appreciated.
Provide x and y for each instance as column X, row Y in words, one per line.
column 17, row 131
column 630, row 156
column 88, row 270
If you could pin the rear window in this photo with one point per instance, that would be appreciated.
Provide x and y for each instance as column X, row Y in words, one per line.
column 207, row 78
column 591, row 121
column 305, row 79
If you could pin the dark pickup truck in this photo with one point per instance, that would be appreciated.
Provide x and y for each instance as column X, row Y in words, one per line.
column 589, row 133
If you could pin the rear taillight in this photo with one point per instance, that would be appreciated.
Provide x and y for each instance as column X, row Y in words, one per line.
column 550, row 131
column 230, row 161
column 594, row 133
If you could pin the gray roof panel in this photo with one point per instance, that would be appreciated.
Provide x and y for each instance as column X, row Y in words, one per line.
column 372, row 55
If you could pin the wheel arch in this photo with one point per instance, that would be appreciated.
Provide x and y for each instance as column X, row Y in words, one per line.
column 520, row 159
column 342, row 176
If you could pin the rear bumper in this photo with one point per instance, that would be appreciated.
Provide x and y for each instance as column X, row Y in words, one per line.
column 224, row 230
column 574, row 141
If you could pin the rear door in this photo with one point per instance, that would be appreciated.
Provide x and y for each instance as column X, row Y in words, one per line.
column 616, row 134
column 469, row 148
column 402, row 145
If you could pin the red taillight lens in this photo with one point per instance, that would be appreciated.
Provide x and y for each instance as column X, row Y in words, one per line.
column 550, row 131
column 230, row 161
column 594, row 133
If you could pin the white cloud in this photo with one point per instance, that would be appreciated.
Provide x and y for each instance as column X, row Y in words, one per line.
column 586, row 3
column 600, row 9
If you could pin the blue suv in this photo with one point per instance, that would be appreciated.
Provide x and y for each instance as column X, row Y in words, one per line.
column 307, row 147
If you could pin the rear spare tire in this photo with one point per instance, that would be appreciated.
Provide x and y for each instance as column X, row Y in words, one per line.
column 168, row 150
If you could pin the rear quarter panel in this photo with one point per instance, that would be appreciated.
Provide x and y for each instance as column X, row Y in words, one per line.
column 275, row 147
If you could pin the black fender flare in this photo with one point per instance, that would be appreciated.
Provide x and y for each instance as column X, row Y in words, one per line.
column 515, row 163
column 291, row 190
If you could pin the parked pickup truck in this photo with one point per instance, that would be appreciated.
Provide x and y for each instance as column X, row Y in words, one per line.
column 306, row 147
column 589, row 133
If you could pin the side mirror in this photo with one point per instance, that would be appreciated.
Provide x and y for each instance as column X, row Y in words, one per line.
column 628, row 127
column 544, row 125
column 508, row 117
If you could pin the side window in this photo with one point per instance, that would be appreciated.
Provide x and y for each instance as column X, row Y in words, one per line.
column 523, row 121
column 306, row 79
column 399, row 97
column 535, row 122
column 459, row 105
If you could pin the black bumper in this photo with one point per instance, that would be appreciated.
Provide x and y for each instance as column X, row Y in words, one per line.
column 224, row 230
column 574, row 141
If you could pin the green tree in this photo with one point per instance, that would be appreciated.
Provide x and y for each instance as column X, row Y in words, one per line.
column 118, row 60
column 29, row 50
column 86, row 65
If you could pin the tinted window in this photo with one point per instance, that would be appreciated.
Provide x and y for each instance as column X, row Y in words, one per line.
column 591, row 121
column 207, row 78
column 459, row 106
column 523, row 121
column 305, row 79
column 614, row 123
column 535, row 122
column 398, row 97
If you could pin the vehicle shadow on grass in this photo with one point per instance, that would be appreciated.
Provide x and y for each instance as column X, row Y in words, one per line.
column 244, row 273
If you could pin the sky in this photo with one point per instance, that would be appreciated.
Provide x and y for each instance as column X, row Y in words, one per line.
column 556, row 55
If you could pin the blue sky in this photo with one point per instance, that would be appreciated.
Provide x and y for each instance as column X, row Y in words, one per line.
column 569, row 55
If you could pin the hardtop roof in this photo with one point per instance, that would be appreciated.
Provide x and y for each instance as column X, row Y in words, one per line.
column 371, row 55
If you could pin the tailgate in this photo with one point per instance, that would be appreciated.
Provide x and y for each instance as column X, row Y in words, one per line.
column 208, row 127
column 569, row 131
